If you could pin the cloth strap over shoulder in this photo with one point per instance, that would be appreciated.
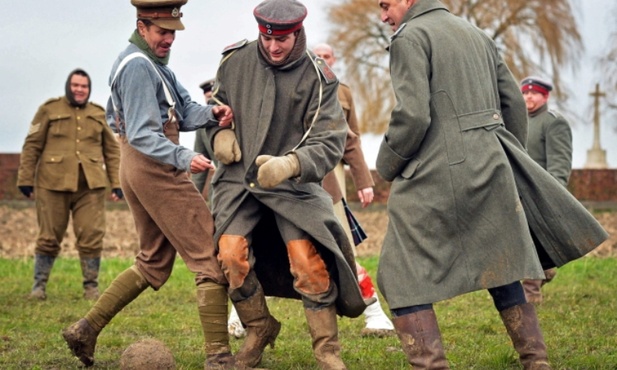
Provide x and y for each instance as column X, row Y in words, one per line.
column 127, row 59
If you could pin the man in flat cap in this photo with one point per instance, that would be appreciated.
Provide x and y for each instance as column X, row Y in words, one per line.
column 275, row 227
column 147, row 109
column 549, row 144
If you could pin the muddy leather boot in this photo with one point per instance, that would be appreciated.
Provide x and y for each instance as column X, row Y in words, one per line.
column 81, row 336
column 261, row 328
column 90, row 272
column 522, row 325
column 324, row 333
column 42, row 269
column 533, row 294
column 421, row 340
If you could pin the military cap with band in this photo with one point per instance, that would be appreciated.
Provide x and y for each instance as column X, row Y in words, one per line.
column 206, row 86
column 279, row 17
column 538, row 84
column 163, row 13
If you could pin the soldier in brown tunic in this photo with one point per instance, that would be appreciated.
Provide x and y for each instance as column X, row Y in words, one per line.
column 150, row 107
column 68, row 159
column 376, row 321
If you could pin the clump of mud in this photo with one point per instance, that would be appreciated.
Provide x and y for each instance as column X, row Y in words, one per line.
column 147, row 354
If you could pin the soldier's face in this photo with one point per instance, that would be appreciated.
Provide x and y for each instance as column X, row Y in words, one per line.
column 158, row 39
column 393, row 11
column 534, row 100
column 80, row 88
column 326, row 54
column 278, row 47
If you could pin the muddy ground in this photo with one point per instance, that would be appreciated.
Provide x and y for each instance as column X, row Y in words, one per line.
column 18, row 232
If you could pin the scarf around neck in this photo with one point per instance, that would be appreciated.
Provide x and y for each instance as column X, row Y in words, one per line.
column 139, row 41
column 296, row 53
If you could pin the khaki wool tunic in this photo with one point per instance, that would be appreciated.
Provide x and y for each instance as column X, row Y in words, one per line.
column 63, row 137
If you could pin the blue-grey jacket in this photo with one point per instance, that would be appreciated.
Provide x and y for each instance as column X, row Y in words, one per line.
column 138, row 94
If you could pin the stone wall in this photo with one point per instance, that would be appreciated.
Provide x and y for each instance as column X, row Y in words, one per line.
column 586, row 185
column 9, row 163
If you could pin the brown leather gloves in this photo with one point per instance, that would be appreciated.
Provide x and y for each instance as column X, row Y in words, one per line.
column 274, row 170
column 226, row 148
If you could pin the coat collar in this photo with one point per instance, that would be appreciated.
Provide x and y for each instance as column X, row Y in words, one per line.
column 422, row 7
column 419, row 8
column 539, row 111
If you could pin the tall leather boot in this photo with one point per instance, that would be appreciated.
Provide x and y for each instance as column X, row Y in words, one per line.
column 421, row 340
column 261, row 328
column 324, row 332
column 81, row 336
column 42, row 269
column 533, row 294
column 522, row 325
column 90, row 272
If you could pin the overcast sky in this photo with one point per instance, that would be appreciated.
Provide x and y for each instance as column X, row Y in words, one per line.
column 44, row 40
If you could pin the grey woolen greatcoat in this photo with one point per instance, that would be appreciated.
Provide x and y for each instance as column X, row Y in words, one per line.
column 457, row 223
column 273, row 109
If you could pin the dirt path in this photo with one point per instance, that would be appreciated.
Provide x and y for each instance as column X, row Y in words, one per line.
column 18, row 230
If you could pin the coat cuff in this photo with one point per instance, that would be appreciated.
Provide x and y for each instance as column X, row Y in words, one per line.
column 389, row 164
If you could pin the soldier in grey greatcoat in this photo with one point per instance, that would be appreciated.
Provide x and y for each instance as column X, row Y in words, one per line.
column 275, row 227
column 465, row 197
column 68, row 159
column 549, row 144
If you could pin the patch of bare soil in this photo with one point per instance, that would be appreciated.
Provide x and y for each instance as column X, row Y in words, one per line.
column 19, row 229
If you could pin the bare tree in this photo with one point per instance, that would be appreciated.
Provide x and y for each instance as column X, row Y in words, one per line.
column 535, row 37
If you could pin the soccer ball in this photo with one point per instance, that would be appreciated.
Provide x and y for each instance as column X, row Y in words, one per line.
column 150, row 354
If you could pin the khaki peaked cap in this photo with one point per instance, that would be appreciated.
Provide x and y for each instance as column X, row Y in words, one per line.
column 163, row 13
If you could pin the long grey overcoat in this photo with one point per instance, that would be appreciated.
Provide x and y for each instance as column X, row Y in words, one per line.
column 273, row 109
column 457, row 223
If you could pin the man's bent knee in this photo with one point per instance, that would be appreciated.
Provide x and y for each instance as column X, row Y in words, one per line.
column 308, row 268
column 234, row 259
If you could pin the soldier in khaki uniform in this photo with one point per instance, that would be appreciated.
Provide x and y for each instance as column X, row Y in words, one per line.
column 70, row 156
column 148, row 108
column 549, row 144
column 377, row 322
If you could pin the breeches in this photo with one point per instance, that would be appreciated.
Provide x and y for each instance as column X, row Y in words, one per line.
column 170, row 216
column 86, row 206
column 311, row 278
column 504, row 297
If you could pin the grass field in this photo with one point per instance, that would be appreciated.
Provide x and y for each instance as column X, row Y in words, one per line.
column 579, row 319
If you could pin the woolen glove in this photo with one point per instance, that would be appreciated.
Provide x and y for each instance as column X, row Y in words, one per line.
column 274, row 170
column 26, row 190
column 118, row 192
column 226, row 148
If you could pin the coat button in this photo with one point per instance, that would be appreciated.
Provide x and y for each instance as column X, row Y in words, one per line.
column 495, row 116
column 252, row 184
